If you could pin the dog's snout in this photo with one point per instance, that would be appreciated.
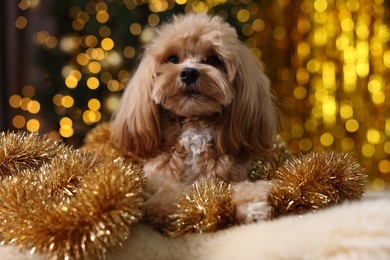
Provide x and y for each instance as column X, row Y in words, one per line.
column 189, row 75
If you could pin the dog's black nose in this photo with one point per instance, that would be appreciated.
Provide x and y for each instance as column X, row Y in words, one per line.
column 189, row 75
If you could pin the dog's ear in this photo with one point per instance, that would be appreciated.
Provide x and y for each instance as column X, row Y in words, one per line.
column 248, row 125
column 136, row 125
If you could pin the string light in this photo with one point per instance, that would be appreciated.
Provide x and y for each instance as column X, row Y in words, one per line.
column 328, row 61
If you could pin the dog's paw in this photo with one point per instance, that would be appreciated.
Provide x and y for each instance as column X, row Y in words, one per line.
column 252, row 212
column 251, row 201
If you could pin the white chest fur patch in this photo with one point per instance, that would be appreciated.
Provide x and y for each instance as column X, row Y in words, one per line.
column 194, row 140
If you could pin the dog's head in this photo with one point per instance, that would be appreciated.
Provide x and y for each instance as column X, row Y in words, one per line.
column 195, row 66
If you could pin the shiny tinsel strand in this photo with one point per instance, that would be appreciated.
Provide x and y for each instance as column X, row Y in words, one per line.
column 98, row 141
column 77, row 207
column 20, row 151
column 206, row 207
column 263, row 166
column 98, row 219
column 61, row 178
column 99, row 134
column 315, row 180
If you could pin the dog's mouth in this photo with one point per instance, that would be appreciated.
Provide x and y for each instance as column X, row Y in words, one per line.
column 189, row 90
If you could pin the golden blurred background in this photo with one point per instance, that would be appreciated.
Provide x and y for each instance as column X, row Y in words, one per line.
column 328, row 61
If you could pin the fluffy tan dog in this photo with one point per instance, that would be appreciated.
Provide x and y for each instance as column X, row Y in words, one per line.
column 198, row 106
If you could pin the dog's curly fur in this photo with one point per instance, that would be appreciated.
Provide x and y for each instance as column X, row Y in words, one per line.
column 198, row 105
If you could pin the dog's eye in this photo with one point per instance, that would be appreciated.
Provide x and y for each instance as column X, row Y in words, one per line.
column 173, row 59
column 213, row 60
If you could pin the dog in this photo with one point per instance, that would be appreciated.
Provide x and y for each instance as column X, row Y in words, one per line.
column 198, row 106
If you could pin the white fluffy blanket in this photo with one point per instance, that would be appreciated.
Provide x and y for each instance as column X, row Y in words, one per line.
column 359, row 230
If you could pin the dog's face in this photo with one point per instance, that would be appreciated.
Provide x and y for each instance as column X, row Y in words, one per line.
column 191, row 74
column 195, row 66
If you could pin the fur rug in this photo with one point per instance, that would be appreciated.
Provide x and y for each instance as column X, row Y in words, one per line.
column 358, row 230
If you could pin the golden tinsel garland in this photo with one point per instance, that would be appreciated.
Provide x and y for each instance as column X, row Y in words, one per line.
column 75, row 206
column 78, row 204
column 316, row 180
column 20, row 151
column 98, row 141
column 207, row 207
column 264, row 166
